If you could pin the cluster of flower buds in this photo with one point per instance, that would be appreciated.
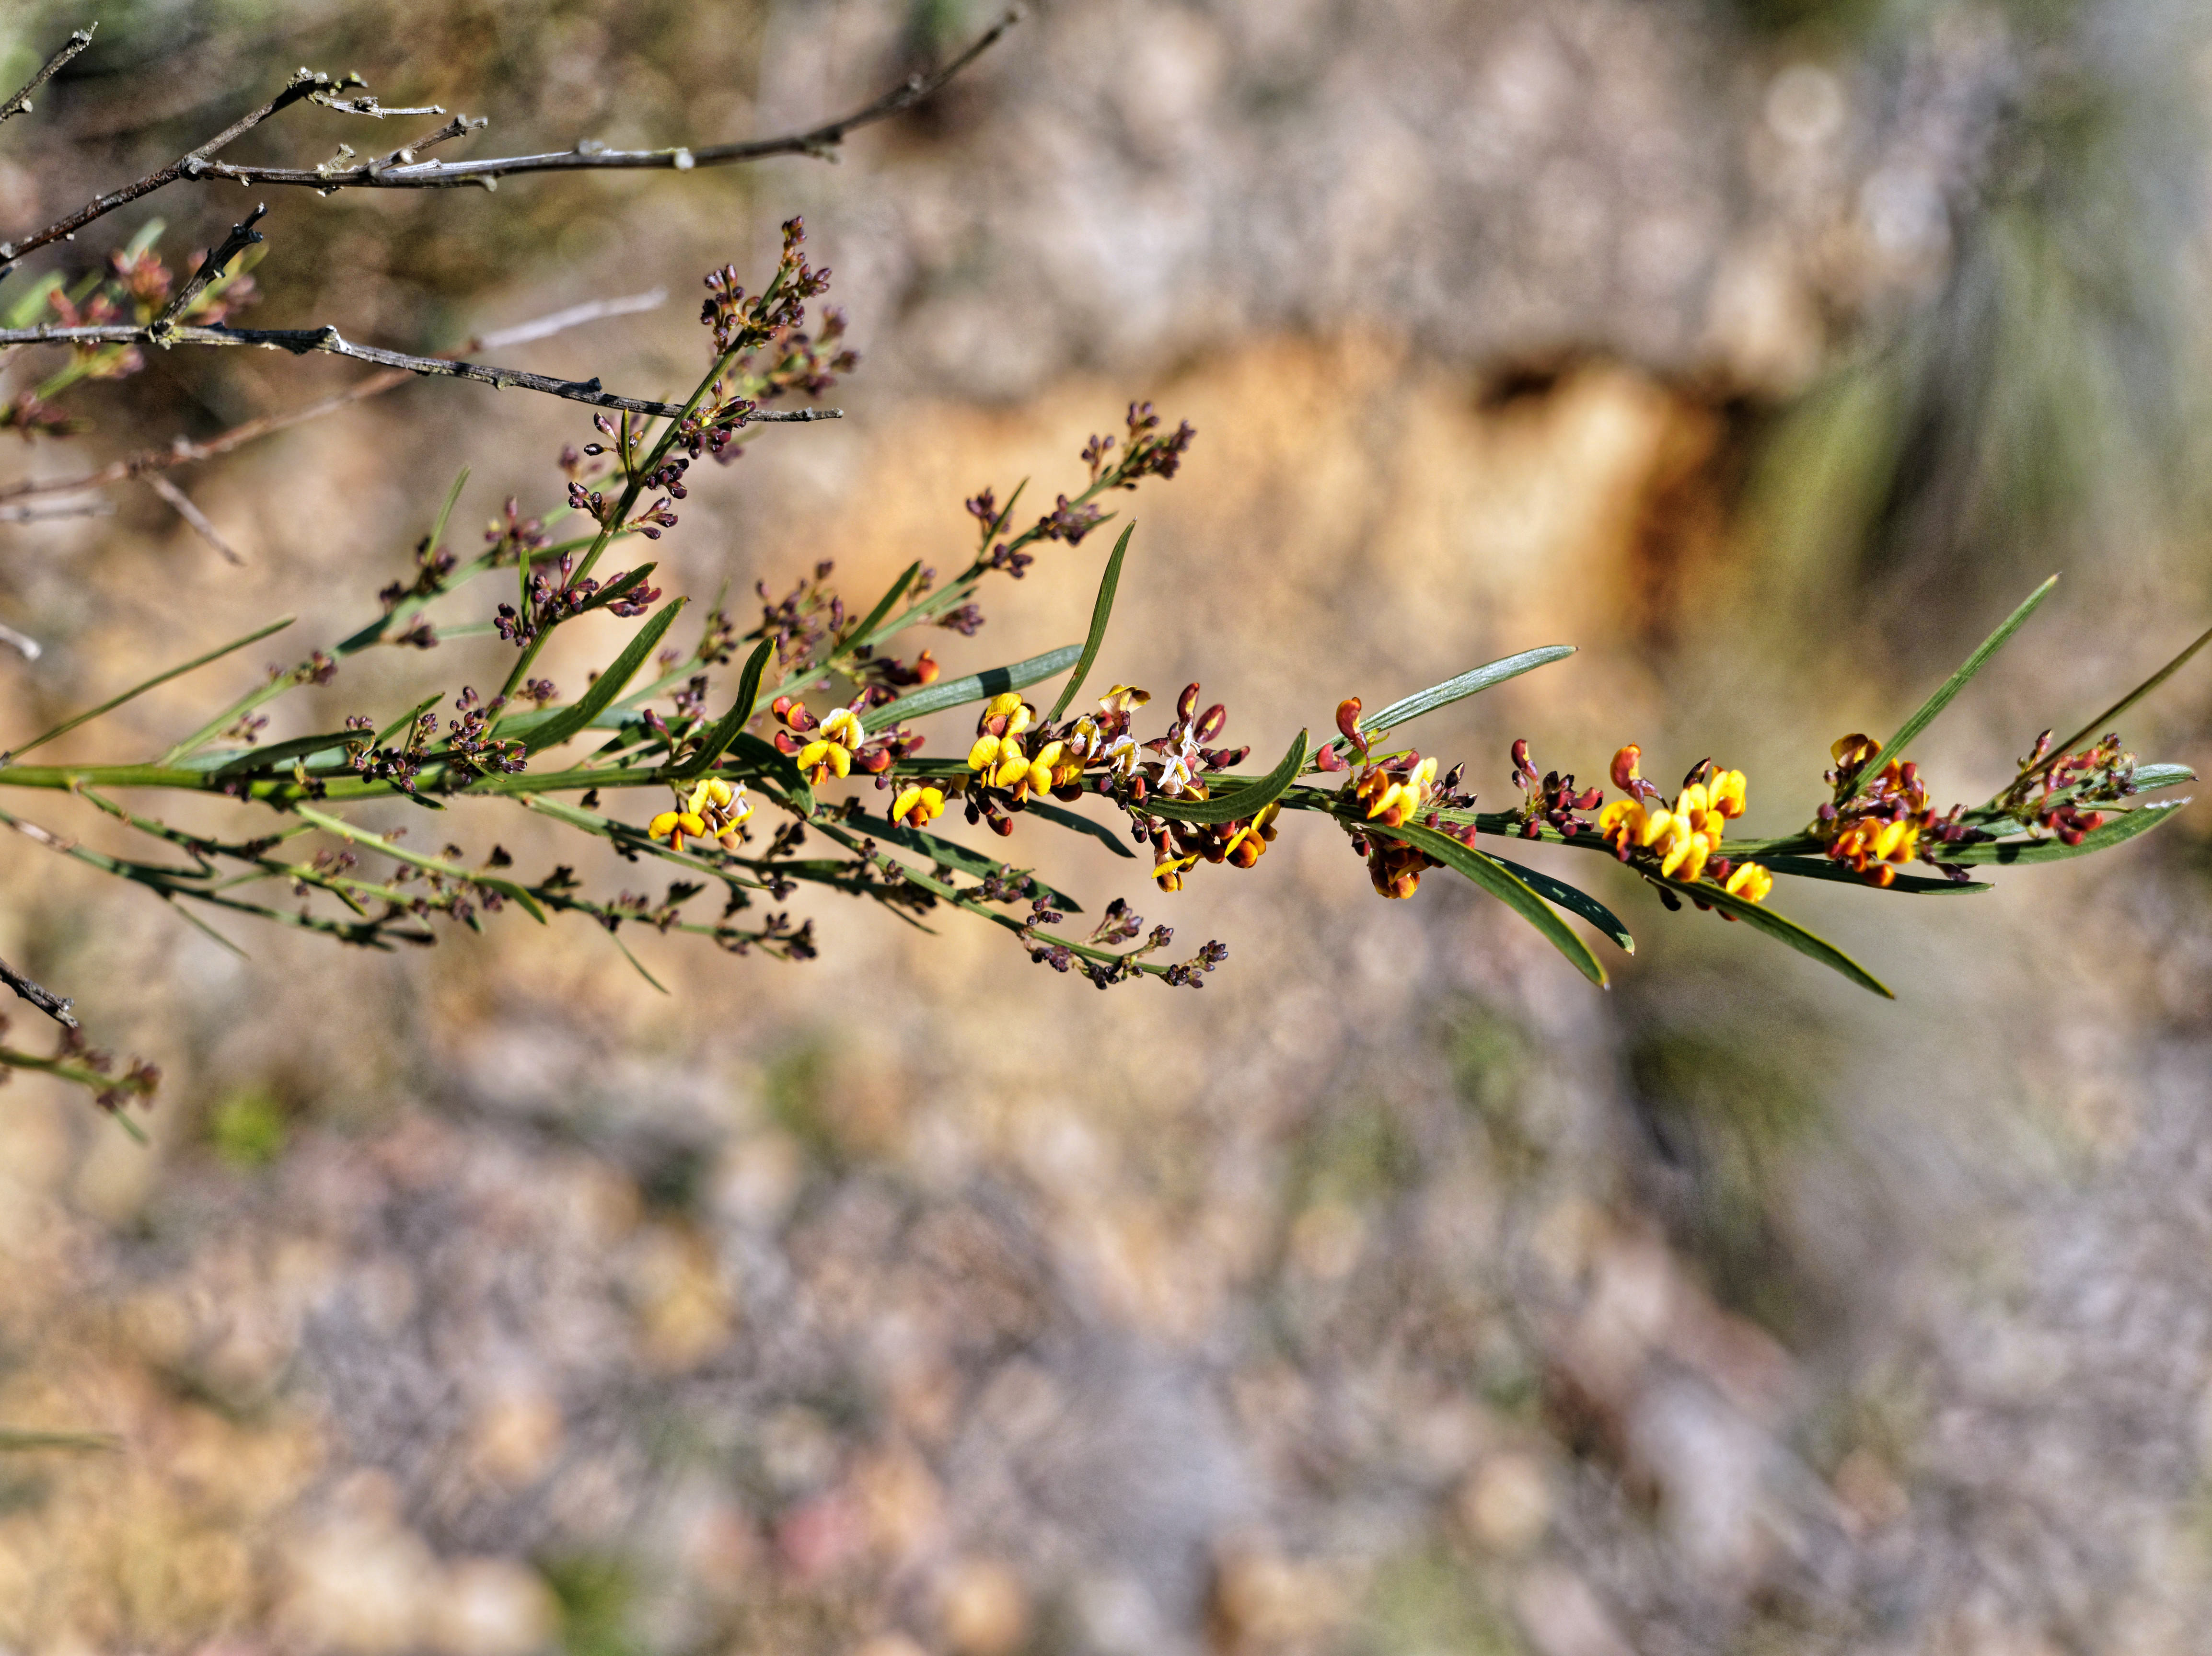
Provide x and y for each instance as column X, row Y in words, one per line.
column 1552, row 801
column 511, row 535
column 397, row 764
column 669, row 475
column 433, row 564
column 555, row 599
column 805, row 618
column 2103, row 774
column 737, row 322
column 836, row 744
column 887, row 676
column 1148, row 454
column 30, row 416
column 1881, row 822
column 469, row 745
column 139, row 1081
column 1064, row 522
column 1680, row 839
column 1184, row 757
column 712, row 428
column 809, row 365
column 714, row 809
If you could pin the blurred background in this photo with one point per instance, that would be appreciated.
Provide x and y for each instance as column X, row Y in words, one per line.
column 1398, row 1294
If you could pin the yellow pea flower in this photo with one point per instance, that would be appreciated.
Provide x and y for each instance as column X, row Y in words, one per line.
column 1727, row 789
column 1750, row 882
column 918, row 804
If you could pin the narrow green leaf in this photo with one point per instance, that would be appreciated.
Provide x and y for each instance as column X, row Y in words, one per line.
column 1759, row 918
column 639, row 964
column 1240, row 803
column 2123, row 827
column 779, row 765
column 13, row 1442
column 580, row 713
column 1493, row 876
column 278, row 754
column 866, row 630
column 1574, row 899
column 977, row 687
column 160, row 678
column 406, row 720
column 1471, row 682
column 2149, row 779
column 950, row 854
column 1820, row 868
column 446, row 511
column 1101, row 609
column 718, row 738
column 1059, row 816
column 1973, row 663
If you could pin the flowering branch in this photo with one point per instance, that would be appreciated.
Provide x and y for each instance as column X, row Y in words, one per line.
column 754, row 788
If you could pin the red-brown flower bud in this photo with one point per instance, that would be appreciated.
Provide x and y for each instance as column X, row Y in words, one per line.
column 1624, row 764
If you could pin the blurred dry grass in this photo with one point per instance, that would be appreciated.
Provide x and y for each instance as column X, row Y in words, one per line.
column 1397, row 1292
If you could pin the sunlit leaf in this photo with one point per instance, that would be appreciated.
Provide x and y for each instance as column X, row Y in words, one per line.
column 2121, row 827
column 1077, row 822
column 1509, row 887
column 138, row 690
column 716, row 742
column 977, row 687
column 1572, row 899
column 1925, row 714
column 1102, row 610
column 1238, row 803
column 2149, row 779
column 1820, row 868
column 1470, row 682
column 596, row 701
column 1759, row 918
column 866, row 629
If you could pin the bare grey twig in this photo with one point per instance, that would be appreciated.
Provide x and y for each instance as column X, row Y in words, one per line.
column 39, row 515
column 56, row 1007
column 195, row 519
column 544, row 327
column 302, row 341
column 380, row 173
column 241, row 237
column 303, row 85
column 181, row 452
column 22, row 643
column 20, row 103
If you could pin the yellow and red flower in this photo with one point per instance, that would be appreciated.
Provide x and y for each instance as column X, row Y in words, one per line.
column 714, row 809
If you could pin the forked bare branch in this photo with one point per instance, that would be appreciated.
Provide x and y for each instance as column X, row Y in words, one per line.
column 182, row 452
column 20, row 103
column 400, row 171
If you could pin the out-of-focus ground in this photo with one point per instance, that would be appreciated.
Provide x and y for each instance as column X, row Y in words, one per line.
column 1397, row 1294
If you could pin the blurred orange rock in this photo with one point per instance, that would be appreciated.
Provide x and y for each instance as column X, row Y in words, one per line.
column 983, row 1608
